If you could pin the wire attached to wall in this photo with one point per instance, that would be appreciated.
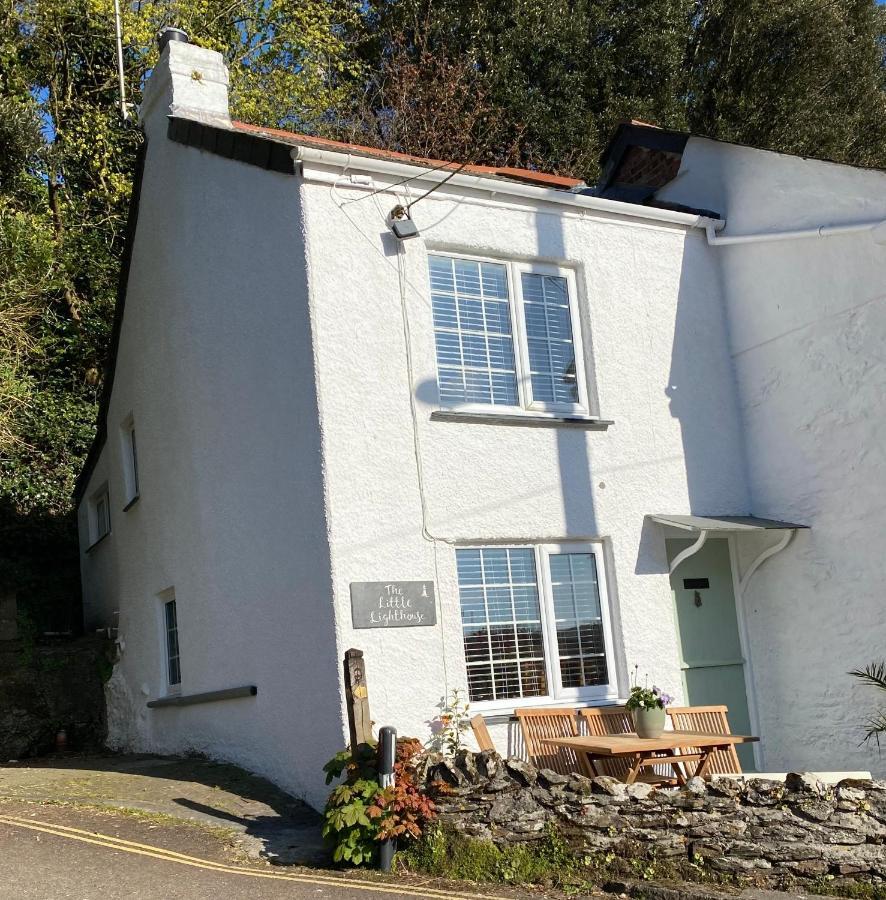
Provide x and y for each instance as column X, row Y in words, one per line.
column 416, row 445
column 402, row 281
column 389, row 187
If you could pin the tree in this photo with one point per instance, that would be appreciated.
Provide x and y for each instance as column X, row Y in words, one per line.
column 23, row 263
column 800, row 76
column 64, row 207
column 557, row 74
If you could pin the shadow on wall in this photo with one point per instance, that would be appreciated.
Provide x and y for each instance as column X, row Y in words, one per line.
column 702, row 388
column 574, row 462
column 573, row 456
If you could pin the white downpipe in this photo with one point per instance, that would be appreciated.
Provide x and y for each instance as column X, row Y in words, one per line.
column 878, row 226
column 494, row 186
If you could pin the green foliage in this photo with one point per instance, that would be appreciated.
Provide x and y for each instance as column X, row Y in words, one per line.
column 645, row 697
column 798, row 76
column 874, row 675
column 446, row 853
column 20, row 139
column 830, row 886
column 544, row 84
column 359, row 813
column 66, row 164
column 351, row 807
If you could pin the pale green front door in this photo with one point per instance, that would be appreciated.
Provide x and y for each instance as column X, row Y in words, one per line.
column 707, row 625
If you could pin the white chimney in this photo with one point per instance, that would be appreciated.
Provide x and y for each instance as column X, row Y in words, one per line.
column 188, row 81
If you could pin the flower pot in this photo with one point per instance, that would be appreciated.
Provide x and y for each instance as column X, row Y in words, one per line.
column 649, row 723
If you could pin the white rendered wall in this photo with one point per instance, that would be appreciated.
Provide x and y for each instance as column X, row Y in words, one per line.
column 652, row 315
column 215, row 365
column 808, row 340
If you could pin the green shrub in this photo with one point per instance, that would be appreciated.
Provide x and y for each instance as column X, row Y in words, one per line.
column 359, row 814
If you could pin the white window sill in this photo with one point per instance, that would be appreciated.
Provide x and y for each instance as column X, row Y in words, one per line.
column 522, row 419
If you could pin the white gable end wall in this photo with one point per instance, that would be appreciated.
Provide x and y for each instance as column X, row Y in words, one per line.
column 216, row 367
column 808, row 338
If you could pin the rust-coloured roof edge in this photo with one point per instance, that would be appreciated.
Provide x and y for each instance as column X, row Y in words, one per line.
column 528, row 176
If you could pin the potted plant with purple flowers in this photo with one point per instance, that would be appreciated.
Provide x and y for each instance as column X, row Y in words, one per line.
column 647, row 705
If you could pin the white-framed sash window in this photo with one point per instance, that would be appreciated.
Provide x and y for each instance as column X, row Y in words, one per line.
column 508, row 336
column 129, row 449
column 536, row 624
column 99, row 512
column 173, row 657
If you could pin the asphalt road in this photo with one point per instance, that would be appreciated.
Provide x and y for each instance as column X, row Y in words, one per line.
column 59, row 853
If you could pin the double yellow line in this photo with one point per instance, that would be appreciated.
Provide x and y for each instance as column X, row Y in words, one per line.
column 114, row 843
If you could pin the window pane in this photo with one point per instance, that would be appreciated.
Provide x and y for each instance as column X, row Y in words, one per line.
column 469, row 568
column 448, row 349
column 506, row 658
column 473, row 609
column 580, row 644
column 134, row 451
column 441, row 274
column 549, row 332
column 172, row 654
column 480, row 683
column 477, row 644
column 102, row 516
column 472, row 326
column 451, row 385
column 444, row 311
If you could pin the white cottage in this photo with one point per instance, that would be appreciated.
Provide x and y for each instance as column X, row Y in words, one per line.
column 558, row 433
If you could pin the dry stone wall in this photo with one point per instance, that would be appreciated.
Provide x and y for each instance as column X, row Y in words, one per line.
column 763, row 832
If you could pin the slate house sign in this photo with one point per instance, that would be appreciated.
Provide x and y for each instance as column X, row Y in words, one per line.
column 393, row 604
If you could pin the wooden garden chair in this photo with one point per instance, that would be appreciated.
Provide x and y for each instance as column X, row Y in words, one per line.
column 481, row 733
column 602, row 720
column 536, row 724
column 709, row 720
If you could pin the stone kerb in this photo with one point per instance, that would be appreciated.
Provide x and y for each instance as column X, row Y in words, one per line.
column 767, row 832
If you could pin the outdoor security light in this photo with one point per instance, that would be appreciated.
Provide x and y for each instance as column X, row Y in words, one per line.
column 400, row 223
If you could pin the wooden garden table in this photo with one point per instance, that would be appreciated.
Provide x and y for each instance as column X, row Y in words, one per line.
column 696, row 746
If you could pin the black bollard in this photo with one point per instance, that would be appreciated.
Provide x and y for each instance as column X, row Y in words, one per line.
column 387, row 751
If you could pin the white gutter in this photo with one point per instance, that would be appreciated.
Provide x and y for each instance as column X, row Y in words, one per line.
column 878, row 226
column 499, row 186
